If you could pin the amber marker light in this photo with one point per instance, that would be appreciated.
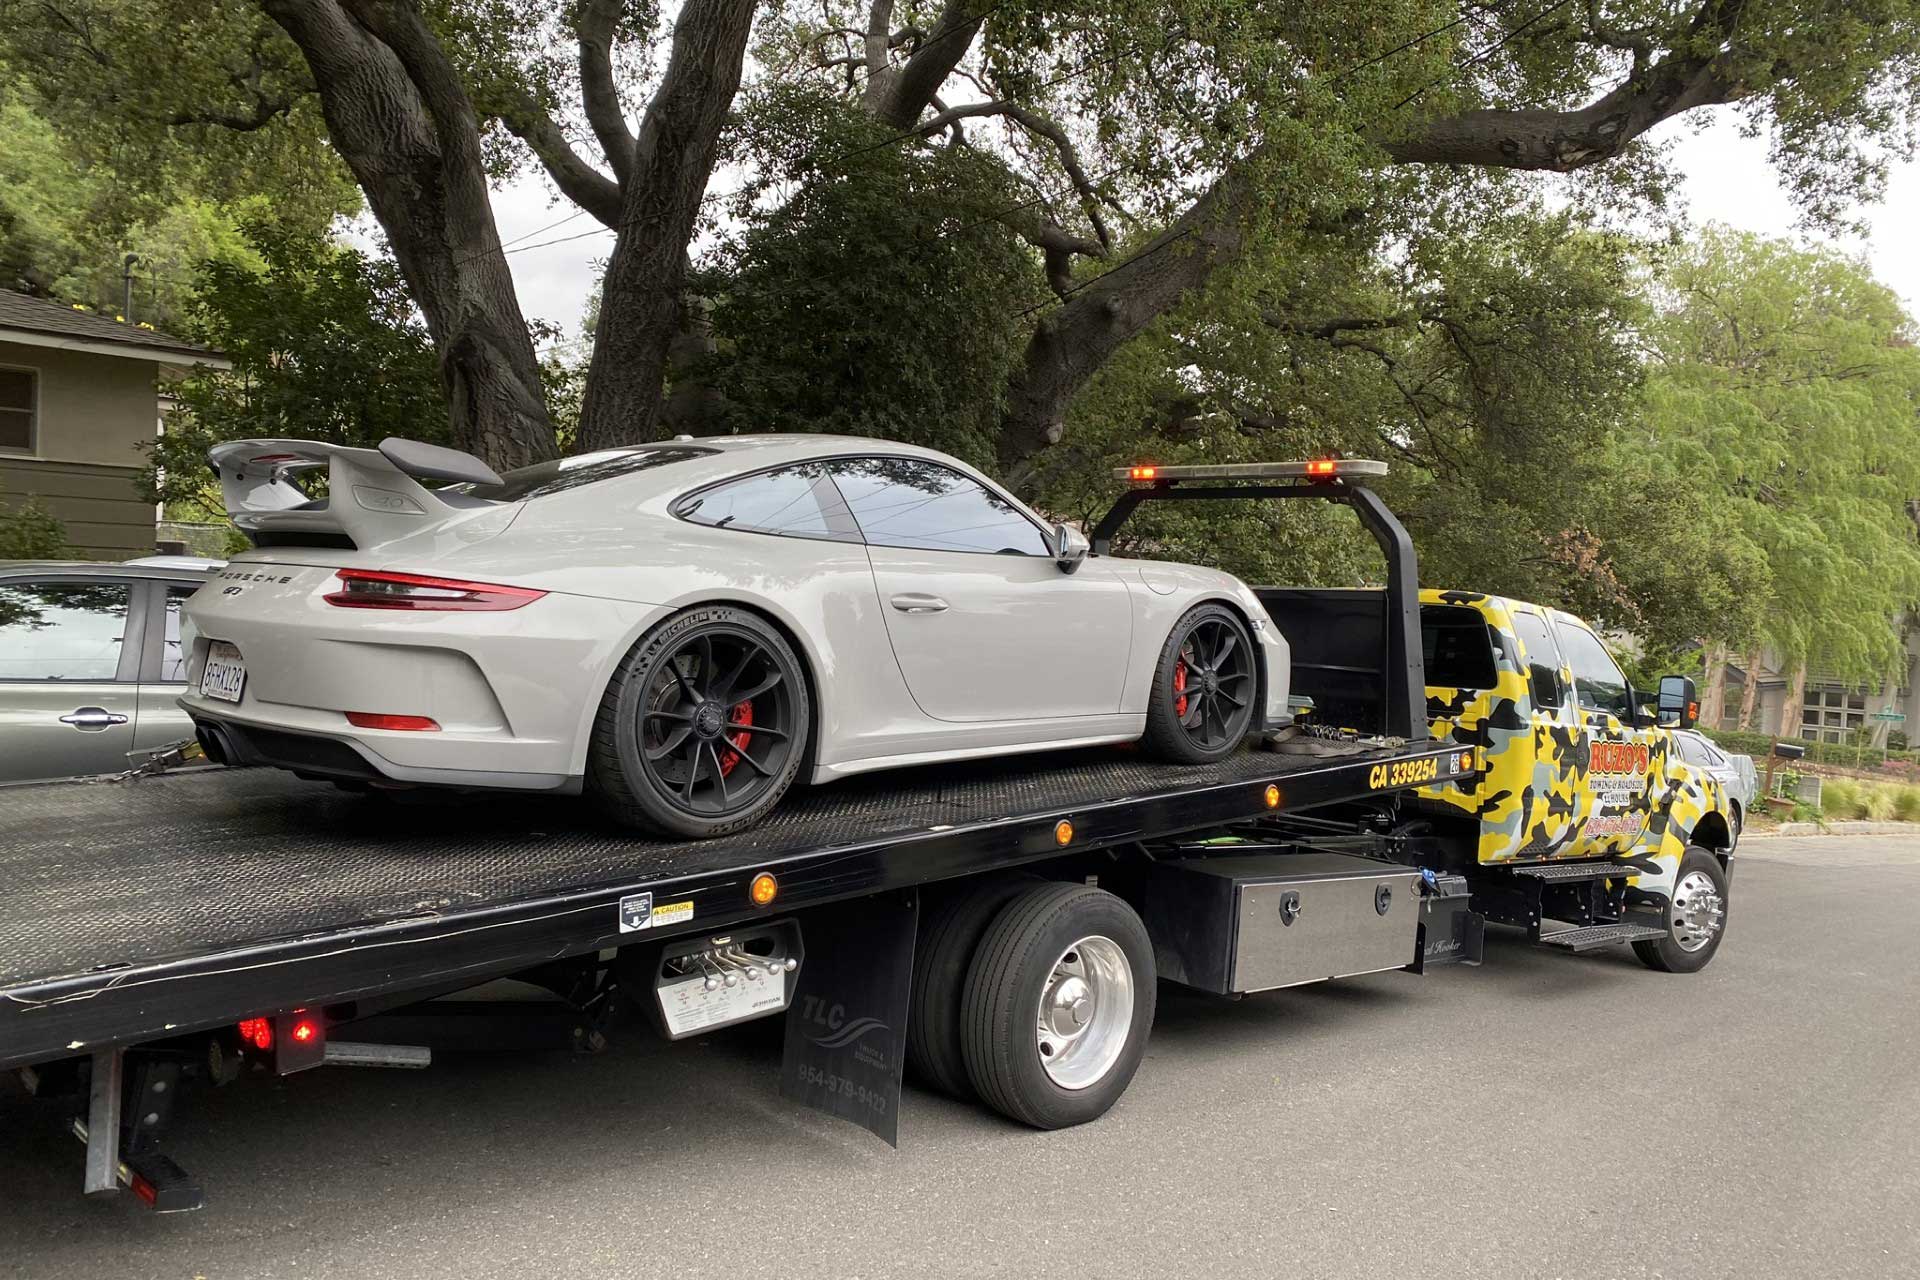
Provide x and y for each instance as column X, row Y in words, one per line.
column 1273, row 796
column 1322, row 469
column 764, row 889
column 1063, row 832
column 1144, row 473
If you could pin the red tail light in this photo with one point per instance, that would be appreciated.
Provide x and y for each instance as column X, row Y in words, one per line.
column 380, row 720
column 257, row 1032
column 371, row 589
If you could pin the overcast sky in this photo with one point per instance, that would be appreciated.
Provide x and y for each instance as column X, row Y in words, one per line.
column 1728, row 180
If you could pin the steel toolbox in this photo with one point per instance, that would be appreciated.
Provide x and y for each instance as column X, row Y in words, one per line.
column 1252, row 923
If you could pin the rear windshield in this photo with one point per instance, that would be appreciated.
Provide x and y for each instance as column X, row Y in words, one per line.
column 545, row 478
column 1457, row 647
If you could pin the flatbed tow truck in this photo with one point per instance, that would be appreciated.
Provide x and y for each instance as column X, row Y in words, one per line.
column 999, row 926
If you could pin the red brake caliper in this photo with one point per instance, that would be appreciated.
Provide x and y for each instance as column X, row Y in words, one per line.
column 741, row 714
column 1180, row 687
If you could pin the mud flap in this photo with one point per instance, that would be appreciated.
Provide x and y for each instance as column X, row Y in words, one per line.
column 847, row 1026
column 1451, row 932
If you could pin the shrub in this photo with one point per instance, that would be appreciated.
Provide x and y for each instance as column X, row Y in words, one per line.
column 1906, row 803
column 1843, row 798
column 29, row 533
column 1879, row 804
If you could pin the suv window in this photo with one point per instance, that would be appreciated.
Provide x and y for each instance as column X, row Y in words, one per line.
column 795, row 502
column 911, row 502
column 1456, row 647
column 1540, row 651
column 61, row 630
column 173, row 659
column 1601, row 686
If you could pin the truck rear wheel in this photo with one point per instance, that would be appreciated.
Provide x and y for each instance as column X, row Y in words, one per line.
column 1059, row 1001
column 950, row 930
column 1696, row 917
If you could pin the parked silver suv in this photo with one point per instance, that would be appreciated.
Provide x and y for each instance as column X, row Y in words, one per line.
column 90, row 662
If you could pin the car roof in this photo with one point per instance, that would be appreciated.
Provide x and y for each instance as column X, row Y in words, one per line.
column 717, row 458
column 102, row 569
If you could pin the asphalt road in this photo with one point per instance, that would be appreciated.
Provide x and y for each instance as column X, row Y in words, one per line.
column 1544, row 1115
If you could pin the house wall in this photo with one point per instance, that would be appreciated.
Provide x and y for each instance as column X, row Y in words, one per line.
column 94, row 412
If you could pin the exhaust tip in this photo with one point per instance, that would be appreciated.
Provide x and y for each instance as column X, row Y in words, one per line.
column 214, row 743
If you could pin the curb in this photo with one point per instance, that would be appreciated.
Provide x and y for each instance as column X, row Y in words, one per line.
column 1857, row 827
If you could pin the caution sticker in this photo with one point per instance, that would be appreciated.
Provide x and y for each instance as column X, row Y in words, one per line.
column 637, row 912
column 673, row 913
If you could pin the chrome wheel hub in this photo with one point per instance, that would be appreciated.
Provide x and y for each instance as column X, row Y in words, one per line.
column 1698, row 912
column 1085, row 1012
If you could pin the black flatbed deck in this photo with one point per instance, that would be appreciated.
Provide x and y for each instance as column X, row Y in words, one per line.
column 138, row 910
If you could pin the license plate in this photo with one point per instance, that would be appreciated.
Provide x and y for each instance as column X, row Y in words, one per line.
column 226, row 673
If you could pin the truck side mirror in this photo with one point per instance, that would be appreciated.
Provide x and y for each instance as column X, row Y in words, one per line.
column 1679, row 704
column 1544, row 684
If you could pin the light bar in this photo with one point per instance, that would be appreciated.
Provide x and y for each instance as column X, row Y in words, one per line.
column 1318, row 469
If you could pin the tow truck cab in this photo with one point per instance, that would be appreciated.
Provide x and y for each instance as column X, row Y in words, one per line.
column 1574, row 762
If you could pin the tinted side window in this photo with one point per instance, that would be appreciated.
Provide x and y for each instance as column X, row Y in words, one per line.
column 910, row 502
column 796, row 502
column 1457, row 648
column 61, row 630
column 1601, row 686
column 1540, row 651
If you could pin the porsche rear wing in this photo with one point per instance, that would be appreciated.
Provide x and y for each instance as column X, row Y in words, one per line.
column 373, row 495
column 1329, row 631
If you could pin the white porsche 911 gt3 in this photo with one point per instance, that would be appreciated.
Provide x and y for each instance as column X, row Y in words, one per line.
column 682, row 628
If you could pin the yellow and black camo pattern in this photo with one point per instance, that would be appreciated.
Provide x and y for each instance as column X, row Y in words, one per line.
column 1560, row 782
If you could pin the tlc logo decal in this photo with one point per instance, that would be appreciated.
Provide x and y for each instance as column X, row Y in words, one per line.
column 1619, row 757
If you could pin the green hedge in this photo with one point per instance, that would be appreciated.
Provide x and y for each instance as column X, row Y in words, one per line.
column 1758, row 745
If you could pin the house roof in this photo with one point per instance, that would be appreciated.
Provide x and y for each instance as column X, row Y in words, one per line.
column 37, row 322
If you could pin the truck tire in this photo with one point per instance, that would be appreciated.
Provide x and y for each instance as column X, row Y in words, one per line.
column 950, row 932
column 1059, row 1001
column 1696, row 917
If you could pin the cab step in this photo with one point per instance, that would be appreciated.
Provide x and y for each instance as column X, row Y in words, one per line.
column 1564, row 872
column 1594, row 936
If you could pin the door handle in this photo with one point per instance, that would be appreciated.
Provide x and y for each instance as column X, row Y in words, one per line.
column 93, row 719
column 914, row 602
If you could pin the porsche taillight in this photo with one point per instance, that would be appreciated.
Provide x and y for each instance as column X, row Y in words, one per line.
column 376, row 589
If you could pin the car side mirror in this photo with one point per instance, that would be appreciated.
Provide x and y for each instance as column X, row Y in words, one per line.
column 1545, row 686
column 1070, row 547
column 1679, row 704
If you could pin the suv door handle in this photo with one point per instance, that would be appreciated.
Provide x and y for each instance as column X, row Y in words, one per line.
column 914, row 602
column 93, row 719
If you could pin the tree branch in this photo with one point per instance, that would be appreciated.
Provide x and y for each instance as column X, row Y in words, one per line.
column 594, row 26
column 899, row 97
column 879, row 19
column 578, row 181
column 1545, row 139
column 1046, row 128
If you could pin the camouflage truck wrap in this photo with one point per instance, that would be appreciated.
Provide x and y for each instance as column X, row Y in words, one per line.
column 1566, row 769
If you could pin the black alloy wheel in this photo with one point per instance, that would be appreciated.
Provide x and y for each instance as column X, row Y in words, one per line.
column 704, row 727
column 1206, row 688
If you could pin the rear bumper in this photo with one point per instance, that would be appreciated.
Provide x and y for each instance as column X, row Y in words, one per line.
column 513, row 693
column 312, row 755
